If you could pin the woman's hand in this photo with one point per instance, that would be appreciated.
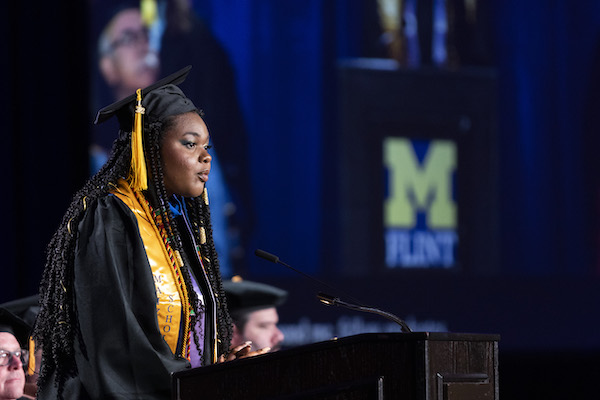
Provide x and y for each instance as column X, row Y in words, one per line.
column 242, row 351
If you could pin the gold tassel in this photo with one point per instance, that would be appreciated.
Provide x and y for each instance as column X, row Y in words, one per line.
column 138, row 178
column 31, row 360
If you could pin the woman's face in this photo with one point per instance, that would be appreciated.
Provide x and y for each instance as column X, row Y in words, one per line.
column 184, row 151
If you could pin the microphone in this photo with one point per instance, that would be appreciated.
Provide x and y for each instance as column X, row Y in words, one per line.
column 335, row 301
column 274, row 259
column 330, row 300
column 267, row 256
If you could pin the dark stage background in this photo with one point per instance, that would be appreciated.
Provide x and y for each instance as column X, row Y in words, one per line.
column 535, row 281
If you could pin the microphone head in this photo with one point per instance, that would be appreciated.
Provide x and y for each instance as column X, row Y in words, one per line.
column 267, row 256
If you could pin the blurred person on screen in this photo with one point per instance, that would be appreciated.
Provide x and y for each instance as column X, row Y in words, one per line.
column 125, row 58
column 123, row 62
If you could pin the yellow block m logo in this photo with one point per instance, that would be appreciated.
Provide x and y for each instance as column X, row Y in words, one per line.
column 419, row 187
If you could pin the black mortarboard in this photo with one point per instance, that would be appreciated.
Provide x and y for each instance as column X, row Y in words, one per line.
column 161, row 99
column 248, row 296
column 10, row 323
column 25, row 308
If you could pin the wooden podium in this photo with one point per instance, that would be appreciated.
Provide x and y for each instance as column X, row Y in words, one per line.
column 414, row 366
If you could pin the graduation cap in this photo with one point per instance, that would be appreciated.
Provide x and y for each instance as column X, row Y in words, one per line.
column 248, row 296
column 158, row 101
column 26, row 308
column 10, row 323
column 161, row 99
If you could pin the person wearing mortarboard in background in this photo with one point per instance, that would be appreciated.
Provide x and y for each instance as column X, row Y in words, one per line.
column 131, row 291
column 14, row 355
column 253, row 308
column 26, row 309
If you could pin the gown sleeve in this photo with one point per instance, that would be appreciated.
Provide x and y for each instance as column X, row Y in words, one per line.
column 121, row 354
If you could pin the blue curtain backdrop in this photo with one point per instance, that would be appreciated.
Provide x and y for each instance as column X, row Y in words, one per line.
column 545, row 56
column 277, row 50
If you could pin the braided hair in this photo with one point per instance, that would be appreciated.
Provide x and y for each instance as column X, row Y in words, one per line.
column 56, row 328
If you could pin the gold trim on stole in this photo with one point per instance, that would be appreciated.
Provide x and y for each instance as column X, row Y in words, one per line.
column 169, row 294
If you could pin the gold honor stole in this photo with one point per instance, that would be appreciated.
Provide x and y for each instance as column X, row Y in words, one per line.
column 165, row 270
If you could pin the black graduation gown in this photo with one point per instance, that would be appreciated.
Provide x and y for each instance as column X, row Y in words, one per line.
column 123, row 354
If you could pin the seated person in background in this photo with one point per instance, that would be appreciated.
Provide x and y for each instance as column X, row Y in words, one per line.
column 27, row 308
column 252, row 306
column 14, row 339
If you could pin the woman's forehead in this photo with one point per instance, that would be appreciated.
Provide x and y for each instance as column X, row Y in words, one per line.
column 190, row 123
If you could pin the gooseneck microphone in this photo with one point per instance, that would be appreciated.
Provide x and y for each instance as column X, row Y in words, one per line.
column 274, row 259
column 335, row 301
column 331, row 300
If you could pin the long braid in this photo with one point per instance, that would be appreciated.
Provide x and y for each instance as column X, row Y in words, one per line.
column 56, row 326
column 201, row 213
